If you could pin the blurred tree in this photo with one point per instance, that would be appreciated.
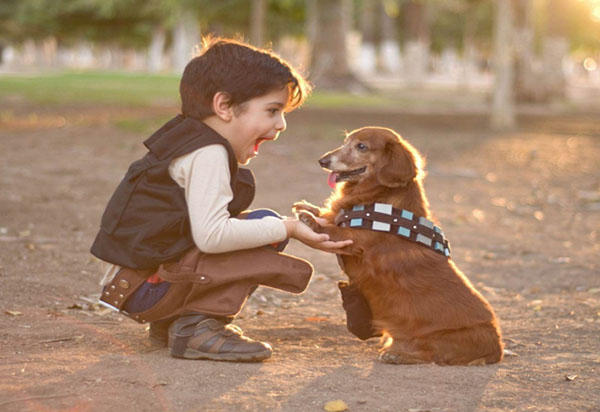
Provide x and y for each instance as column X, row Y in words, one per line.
column 417, row 40
column 368, row 49
column 555, row 49
column 257, row 22
column 156, row 48
column 461, row 24
column 329, row 60
column 390, row 50
column 528, row 87
column 503, row 111
column 186, row 34
column 583, row 22
column 127, row 22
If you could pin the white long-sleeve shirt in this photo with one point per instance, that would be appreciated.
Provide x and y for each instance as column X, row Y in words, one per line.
column 204, row 174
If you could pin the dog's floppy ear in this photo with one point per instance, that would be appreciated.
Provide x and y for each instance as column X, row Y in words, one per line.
column 399, row 166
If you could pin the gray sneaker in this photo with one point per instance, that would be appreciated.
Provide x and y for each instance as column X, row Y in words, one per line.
column 196, row 337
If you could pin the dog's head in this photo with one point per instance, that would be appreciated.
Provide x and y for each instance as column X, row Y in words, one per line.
column 374, row 152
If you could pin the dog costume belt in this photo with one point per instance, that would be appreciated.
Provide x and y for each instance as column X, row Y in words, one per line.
column 383, row 217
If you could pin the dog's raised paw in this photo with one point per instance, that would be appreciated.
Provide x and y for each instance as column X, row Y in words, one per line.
column 307, row 207
column 308, row 219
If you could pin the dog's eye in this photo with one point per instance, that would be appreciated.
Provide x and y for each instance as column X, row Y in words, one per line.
column 361, row 146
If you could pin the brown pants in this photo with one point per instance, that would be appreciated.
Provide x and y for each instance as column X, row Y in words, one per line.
column 214, row 284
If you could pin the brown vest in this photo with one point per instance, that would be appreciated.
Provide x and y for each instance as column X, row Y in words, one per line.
column 146, row 221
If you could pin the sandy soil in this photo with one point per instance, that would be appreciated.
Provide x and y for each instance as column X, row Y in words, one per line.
column 521, row 209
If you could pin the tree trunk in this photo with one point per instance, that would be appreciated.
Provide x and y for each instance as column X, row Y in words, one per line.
column 329, row 61
column 312, row 22
column 503, row 110
column 528, row 87
column 469, row 55
column 257, row 22
column 186, row 34
column 555, row 49
column 368, row 48
column 155, row 50
column 391, row 61
column 416, row 50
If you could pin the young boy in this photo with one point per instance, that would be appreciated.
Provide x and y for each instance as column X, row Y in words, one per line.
column 180, row 251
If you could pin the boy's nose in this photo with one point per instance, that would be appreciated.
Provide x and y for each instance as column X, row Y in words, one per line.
column 281, row 124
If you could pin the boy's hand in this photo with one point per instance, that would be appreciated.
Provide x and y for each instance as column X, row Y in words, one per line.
column 306, row 235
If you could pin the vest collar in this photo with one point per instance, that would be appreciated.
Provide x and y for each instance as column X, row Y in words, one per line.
column 382, row 217
column 186, row 128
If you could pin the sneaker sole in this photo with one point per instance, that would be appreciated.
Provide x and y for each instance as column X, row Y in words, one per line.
column 230, row 357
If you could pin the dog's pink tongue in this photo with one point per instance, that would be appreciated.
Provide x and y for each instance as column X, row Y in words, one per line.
column 331, row 180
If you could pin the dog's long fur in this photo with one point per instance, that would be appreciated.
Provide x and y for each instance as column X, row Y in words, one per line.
column 426, row 308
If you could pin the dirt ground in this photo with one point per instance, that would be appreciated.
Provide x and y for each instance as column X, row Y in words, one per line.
column 521, row 209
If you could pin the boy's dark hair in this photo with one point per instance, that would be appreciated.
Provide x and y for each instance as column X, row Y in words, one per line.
column 240, row 70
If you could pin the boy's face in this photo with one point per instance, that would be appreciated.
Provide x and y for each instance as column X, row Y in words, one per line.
column 258, row 120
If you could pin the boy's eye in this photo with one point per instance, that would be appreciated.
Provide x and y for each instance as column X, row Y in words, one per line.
column 361, row 146
column 273, row 111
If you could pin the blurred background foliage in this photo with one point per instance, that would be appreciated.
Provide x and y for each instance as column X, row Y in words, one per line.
column 131, row 22
column 528, row 51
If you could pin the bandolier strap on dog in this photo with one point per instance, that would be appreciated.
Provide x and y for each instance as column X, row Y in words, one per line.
column 383, row 217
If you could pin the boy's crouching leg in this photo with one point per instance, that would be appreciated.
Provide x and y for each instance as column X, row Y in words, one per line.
column 197, row 336
column 158, row 332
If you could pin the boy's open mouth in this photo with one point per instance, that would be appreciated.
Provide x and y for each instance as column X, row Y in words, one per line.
column 336, row 177
column 258, row 142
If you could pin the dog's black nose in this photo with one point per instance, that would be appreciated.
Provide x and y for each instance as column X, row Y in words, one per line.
column 324, row 162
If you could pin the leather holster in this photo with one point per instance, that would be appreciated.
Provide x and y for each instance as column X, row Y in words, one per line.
column 219, row 284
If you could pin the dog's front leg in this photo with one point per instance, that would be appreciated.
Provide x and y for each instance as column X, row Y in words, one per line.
column 335, row 233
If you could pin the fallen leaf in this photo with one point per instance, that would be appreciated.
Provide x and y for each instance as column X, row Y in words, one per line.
column 336, row 406
column 316, row 319
column 570, row 377
column 489, row 256
column 478, row 214
column 498, row 201
column 491, row 177
column 13, row 312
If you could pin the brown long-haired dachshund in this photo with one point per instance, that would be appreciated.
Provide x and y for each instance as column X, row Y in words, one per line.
column 426, row 309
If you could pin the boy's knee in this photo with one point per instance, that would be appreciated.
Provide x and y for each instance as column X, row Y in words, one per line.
column 261, row 213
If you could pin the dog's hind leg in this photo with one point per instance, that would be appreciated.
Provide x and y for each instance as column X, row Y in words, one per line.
column 399, row 354
column 400, row 359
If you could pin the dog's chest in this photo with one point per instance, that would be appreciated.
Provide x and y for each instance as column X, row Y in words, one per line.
column 352, row 266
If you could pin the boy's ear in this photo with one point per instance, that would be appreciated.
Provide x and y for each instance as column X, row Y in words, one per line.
column 222, row 106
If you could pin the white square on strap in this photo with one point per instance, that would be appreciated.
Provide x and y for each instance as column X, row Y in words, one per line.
column 383, row 227
column 382, row 208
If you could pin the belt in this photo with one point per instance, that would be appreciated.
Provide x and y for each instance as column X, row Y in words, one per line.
column 123, row 285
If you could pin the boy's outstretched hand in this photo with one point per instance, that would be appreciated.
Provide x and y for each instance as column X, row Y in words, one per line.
column 298, row 230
